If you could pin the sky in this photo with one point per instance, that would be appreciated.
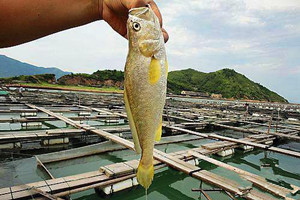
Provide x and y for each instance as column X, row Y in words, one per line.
column 258, row 38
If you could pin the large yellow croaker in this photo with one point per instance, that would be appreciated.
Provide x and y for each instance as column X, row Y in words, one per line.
column 145, row 86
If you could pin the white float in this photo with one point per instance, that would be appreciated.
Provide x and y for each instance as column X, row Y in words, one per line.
column 55, row 141
column 246, row 147
column 193, row 162
column 269, row 142
column 31, row 124
column 84, row 114
column 227, row 152
column 292, row 119
column 30, row 114
column 120, row 186
column 10, row 145
column 111, row 121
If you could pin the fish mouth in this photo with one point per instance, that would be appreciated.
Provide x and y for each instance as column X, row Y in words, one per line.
column 139, row 11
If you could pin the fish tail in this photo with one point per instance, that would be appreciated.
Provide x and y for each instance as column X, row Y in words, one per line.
column 145, row 174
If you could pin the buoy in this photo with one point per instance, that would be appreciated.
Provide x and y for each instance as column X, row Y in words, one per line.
column 111, row 120
column 246, row 147
column 227, row 152
column 30, row 114
column 84, row 114
column 11, row 145
column 31, row 124
column 55, row 141
column 120, row 186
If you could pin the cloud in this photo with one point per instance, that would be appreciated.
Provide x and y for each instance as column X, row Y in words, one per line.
column 259, row 38
column 244, row 20
column 273, row 5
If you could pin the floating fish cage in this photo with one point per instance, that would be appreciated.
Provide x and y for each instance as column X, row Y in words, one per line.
column 53, row 147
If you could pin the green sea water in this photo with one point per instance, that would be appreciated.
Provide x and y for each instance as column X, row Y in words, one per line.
column 18, row 168
column 167, row 183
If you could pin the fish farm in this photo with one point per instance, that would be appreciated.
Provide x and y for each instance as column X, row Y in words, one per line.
column 58, row 144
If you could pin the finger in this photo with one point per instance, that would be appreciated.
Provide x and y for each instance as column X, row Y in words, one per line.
column 165, row 34
column 158, row 14
column 134, row 4
column 156, row 11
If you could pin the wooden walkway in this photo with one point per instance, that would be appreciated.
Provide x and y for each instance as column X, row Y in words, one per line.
column 272, row 125
column 246, row 141
column 106, row 146
column 42, row 119
column 20, row 136
column 111, row 174
column 254, row 131
column 255, row 179
column 117, row 172
column 172, row 160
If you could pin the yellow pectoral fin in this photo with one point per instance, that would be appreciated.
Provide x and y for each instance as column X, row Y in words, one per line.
column 154, row 71
column 158, row 132
column 132, row 124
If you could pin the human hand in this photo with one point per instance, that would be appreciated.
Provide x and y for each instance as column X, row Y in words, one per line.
column 115, row 13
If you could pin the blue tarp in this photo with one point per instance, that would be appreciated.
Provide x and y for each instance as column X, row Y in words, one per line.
column 3, row 93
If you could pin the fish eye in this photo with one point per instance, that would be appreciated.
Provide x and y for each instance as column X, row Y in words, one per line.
column 136, row 26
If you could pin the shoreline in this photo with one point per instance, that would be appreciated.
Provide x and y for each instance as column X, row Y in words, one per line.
column 66, row 88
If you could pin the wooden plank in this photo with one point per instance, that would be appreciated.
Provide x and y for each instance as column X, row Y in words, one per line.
column 257, row 180
column 116, row 169
column 279, row 126
column 44, row 167
column 4, row 191
column 205, row 194
column 238, row 141
column 87, row 180
column 6, row 196
column 217, row 145
column 125, row 116
column 254, row 131
column 133, row 164
column 163, row 157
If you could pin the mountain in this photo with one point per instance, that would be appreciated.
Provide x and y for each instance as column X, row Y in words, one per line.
column 227, row 82
column 10, row 67
column 100, row 78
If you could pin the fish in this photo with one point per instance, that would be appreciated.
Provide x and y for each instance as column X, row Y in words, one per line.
column 145, row 86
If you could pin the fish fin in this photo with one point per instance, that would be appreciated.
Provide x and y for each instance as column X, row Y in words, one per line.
column 149, row 47
column 145, row 175
column 158, row 132
column 132, row 125
column 154, row 71
column 167, row 67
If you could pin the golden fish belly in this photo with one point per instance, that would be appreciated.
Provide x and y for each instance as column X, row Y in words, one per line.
column 146, row 96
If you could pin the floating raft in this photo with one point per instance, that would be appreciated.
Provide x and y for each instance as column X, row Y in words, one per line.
column 117, row 172
column 112, row 171
column 115, row 176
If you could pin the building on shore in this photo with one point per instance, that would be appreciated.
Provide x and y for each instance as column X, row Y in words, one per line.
column 216, row 96
column 194, row 94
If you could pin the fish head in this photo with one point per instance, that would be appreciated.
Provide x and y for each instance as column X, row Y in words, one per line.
column 144, row 31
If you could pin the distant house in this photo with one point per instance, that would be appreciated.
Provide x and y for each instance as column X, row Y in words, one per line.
column 216, row 96
column 194, row 94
